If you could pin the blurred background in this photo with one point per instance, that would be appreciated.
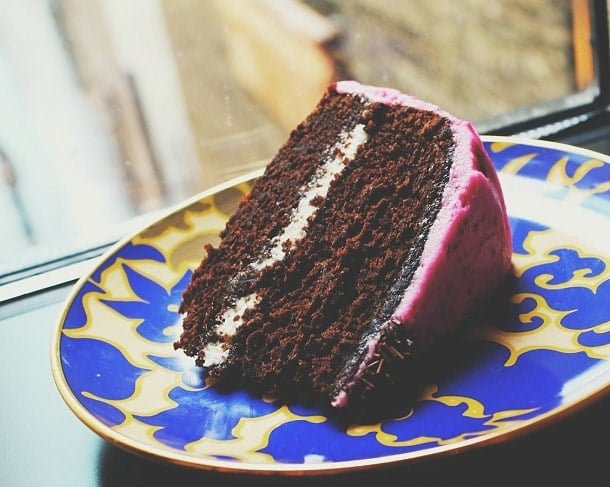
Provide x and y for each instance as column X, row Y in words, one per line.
column 113, row 110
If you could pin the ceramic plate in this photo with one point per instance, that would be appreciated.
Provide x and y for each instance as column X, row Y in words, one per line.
column 546, row 353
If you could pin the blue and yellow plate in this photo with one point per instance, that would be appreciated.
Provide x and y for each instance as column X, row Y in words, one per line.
column 544, row 355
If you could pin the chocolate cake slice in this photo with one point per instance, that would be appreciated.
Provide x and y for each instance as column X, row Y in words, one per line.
column 379, row 227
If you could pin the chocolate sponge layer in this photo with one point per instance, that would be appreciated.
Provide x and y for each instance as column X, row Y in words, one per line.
column 344, row 279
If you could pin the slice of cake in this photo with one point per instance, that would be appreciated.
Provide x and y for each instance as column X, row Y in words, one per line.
column 379, row 227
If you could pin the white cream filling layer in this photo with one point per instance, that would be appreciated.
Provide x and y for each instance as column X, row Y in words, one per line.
column 343, row 152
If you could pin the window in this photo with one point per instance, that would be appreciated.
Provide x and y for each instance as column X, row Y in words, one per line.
column 113, row 110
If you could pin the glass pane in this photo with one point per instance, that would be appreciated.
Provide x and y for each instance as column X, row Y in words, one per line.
column 114, row 110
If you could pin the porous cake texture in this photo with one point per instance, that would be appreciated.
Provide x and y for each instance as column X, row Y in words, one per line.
column 379, row 227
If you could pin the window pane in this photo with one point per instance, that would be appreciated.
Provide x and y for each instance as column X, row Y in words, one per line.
column 114, row 110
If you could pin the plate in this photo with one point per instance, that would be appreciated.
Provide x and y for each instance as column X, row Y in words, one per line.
column 546, row 354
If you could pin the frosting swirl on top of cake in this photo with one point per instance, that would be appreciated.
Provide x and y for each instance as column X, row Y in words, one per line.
column 470, row 236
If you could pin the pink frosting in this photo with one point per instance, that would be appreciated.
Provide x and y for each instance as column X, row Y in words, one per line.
column 468, row 250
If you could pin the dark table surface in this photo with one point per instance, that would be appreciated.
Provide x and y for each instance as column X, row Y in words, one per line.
column 43, row 443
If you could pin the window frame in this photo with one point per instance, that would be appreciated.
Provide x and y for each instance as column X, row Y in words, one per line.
column 551, row 119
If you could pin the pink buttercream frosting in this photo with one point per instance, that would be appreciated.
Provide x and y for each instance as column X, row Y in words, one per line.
column 468, row 250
